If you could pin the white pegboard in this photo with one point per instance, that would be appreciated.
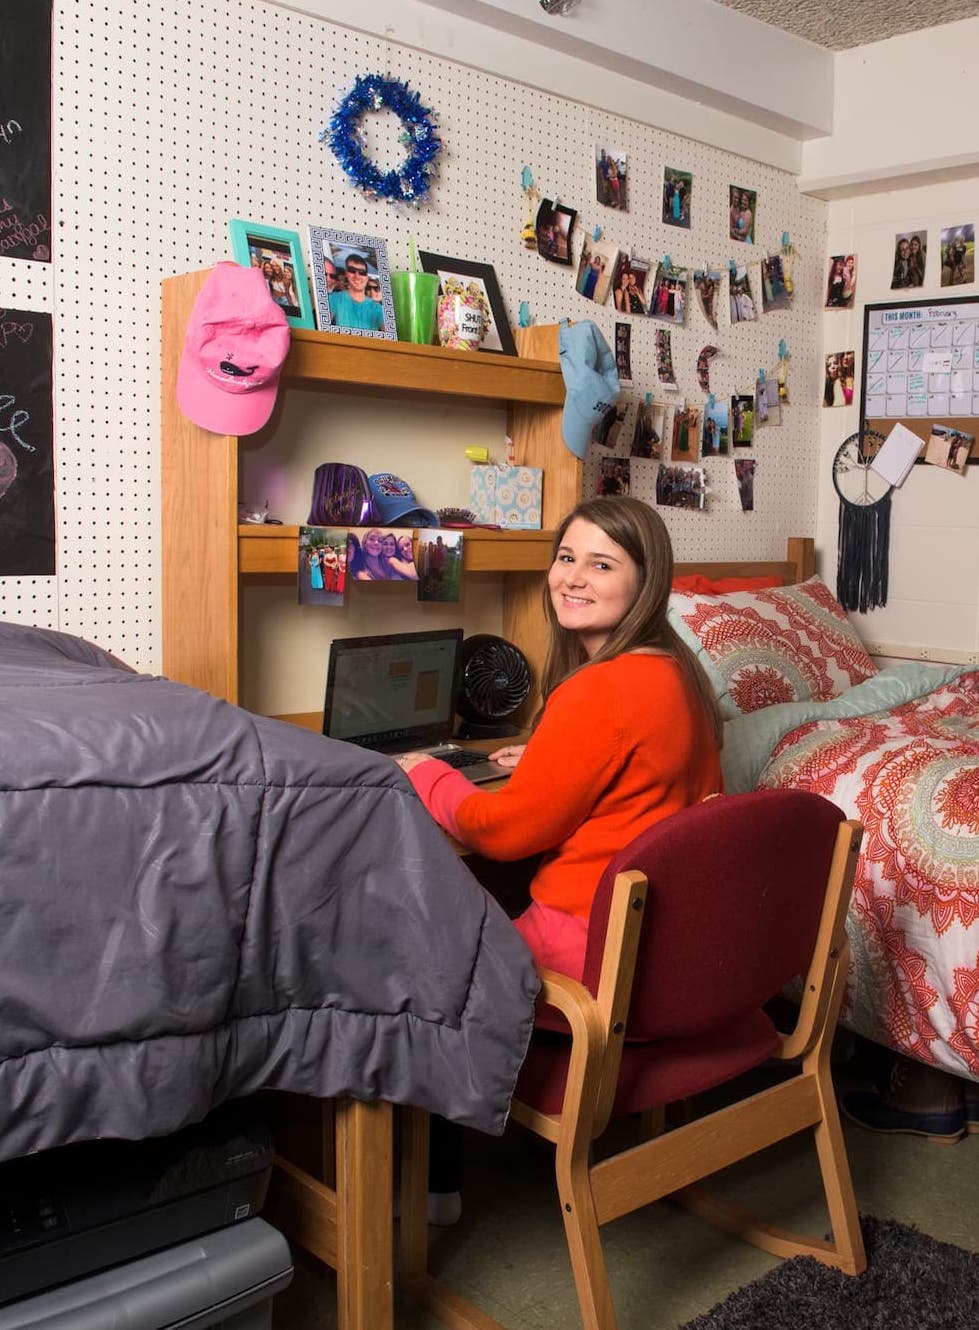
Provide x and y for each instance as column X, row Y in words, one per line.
column 171, row 119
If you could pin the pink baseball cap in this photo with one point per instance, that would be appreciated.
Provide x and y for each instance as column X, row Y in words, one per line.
column 237, row 340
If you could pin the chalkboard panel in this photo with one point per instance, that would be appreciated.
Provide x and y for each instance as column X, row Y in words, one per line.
column 25, row 129
column 26, row 445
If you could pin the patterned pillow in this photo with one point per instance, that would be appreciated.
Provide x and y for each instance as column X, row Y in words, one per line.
column 789, row 644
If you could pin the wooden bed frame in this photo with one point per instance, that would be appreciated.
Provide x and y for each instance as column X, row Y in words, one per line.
column 798, row 565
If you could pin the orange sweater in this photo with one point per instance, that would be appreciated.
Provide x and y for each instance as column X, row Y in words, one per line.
column 620, row 745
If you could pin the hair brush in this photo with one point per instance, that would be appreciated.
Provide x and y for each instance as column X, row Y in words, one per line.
column 462, row 517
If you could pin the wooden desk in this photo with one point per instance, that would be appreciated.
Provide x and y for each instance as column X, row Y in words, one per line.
column 335, row 1197
column 350, row 1224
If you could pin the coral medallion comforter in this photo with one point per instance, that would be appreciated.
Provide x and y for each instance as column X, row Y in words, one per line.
column 901, row 753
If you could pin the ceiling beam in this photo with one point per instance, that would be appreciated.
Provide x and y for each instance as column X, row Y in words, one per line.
column 699, row 50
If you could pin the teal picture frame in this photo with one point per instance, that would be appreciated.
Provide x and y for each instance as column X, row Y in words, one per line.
column 256, row 245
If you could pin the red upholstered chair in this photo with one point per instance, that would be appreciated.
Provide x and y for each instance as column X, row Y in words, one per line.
column 695, row 925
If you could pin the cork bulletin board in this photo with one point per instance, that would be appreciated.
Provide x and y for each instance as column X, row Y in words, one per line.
column 921, row 366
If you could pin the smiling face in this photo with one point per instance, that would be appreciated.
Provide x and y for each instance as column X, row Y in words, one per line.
column 356, row 270
column 372, row 543
column 389, row 546
column 592, row 583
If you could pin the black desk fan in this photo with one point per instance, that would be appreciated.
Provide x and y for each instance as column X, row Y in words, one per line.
column 494, row 682
column 865, row 523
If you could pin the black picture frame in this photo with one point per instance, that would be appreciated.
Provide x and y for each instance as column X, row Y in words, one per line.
column 554, row 226
column 499, row 334
column 908, row 314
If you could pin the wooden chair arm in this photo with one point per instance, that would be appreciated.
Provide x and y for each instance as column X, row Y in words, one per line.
column 572, row 1000
column 598, row 1024
column 586, row 1060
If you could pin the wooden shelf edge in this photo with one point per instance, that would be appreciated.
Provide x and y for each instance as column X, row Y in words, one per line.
column 335, row 362
column 273, row 550
column 342, row 362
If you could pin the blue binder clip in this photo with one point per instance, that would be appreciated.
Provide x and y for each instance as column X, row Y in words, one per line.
column 783, row 350
column 597, row 233
column 523, row 319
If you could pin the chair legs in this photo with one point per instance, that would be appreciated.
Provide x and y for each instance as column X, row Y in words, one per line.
column 837, row 1181
column 580, row 1226
column 584, row 1242
column 844, row 1249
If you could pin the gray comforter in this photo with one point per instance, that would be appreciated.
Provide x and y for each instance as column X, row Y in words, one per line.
column 196, row 903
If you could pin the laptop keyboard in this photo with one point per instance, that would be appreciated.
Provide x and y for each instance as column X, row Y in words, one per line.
column 462, row 757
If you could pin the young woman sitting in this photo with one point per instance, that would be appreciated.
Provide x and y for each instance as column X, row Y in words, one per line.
column 628, row 732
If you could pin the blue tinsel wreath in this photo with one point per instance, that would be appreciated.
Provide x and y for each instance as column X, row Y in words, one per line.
column 373, row 92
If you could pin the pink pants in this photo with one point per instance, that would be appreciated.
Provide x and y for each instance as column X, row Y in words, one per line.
column 556, row 939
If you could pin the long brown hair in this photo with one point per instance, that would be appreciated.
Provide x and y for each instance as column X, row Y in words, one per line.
column 642, row 533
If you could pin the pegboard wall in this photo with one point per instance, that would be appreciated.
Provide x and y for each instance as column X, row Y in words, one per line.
column 169, row 119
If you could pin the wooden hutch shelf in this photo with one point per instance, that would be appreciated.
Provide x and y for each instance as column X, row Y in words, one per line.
column 273, row 550
column 401, row 369
column 206, row 552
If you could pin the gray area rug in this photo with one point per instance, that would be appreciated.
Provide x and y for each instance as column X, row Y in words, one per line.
column 912, row 1282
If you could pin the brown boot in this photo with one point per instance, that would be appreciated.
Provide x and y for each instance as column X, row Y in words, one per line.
column 971, row 1093
column 919, row 1100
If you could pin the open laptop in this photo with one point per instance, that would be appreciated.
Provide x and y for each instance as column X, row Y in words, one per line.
column 395, row 693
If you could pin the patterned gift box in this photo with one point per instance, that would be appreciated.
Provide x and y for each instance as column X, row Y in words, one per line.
column 508, row 496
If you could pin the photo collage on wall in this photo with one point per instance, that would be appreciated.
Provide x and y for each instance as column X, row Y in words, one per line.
column 331, row 558
column 606, row 270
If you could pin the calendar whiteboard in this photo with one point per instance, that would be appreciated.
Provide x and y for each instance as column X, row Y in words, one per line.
column 921, row 366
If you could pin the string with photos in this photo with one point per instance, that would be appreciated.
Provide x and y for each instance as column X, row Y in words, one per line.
column 774, row 267
column 784, row 254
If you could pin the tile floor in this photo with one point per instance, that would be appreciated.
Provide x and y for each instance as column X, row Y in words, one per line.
column 508, row 1253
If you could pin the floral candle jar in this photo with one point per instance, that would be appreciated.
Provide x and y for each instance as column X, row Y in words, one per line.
column 463, row 313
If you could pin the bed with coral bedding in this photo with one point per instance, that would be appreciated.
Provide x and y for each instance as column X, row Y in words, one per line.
column 806, row 707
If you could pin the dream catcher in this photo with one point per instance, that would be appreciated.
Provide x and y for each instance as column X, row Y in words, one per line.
column 865, row 523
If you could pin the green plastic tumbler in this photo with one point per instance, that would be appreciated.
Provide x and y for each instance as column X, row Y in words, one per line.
column 415, row 300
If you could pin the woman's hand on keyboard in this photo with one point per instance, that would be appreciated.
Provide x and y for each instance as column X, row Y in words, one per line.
column 408, row 760
column 508, row 757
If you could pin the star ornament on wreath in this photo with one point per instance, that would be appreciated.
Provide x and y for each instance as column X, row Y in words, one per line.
column 372, row 92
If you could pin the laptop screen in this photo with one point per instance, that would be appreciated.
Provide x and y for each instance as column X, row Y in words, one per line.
column 392, row 692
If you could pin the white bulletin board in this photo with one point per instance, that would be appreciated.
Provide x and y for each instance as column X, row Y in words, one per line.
column 921, row 366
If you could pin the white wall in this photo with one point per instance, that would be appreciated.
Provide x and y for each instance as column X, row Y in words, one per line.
column 169, row 120
column 902, row 108
column 933, row 603
column 677, row 55
column 903, row 156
